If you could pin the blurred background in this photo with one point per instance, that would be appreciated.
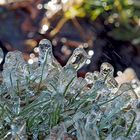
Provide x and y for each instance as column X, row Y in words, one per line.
column 109, row 30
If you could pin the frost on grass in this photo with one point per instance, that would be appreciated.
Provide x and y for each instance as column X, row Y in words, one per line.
column 46, row 101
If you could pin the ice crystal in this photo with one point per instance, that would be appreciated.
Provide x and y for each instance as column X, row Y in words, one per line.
column 46, row 101
column 78, row 58
column 15, row 69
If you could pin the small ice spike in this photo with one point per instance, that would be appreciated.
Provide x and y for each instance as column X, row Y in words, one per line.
column 106, row 72
column 111, row 82
column 14, row 68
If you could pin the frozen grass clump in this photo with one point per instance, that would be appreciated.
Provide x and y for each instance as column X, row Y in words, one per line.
column 46, row 101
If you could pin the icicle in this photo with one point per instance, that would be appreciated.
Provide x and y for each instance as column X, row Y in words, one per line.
column 46, row 61
column 106, row 73
column 65, row 78
column 45, row 51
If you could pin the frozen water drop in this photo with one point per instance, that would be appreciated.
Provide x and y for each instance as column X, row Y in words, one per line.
column 106, row 73
column 46, row 56
column 78, row 58
column 89, row 77
column 106, row 70
column 45, row 50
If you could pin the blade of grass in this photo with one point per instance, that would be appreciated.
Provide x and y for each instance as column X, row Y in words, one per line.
column 131, row 126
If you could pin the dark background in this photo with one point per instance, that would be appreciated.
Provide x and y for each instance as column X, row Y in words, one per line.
column 20, row 24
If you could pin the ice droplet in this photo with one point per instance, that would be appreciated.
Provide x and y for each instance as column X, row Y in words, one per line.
column 106, row 70
column 14, row 69
column 46, row 55
column 78, row 58
column 45, row 50
column 1, row 55
column 89, row 77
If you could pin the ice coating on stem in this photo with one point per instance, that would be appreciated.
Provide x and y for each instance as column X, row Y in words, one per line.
column 78, row 58
column 46, row 56
column 45, row 51
column 106, row 69
column 15, row 69
column 16, row 105
column 46, row 62
column 36, row 99
column 66, row 76
column 106, row 73
column 89, row 77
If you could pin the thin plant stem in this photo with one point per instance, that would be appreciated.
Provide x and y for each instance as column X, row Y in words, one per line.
column 130, row 128
column 42, row 72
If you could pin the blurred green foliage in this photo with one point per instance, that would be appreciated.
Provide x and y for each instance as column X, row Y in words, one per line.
column 124, row 15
